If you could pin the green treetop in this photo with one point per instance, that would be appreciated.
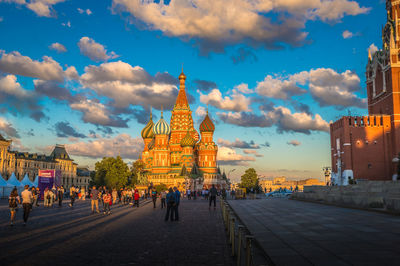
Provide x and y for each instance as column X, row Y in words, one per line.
column 112, row 172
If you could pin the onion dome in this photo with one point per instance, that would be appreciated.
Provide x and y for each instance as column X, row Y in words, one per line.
column 161, row 127
column 188, row 140
column 207, row 125
column 182, row 76
column 151, row 144
column 147, row 131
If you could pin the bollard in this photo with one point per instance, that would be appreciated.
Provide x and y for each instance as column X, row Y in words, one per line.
column 233, row 236
column 249, row 240
column 239, row 245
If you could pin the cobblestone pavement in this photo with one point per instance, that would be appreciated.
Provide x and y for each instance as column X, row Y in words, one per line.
column 129, row 236
column 302, row 233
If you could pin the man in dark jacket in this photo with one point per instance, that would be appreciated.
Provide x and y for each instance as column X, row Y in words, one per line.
column 213, row 196
column 171, row 201
column 178, row 200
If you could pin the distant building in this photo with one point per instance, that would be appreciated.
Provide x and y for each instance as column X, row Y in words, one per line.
column 22, row 163
column 365, row 147
column 281, row 182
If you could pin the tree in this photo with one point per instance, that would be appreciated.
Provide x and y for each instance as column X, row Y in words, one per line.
column 112, row 172
column 138, row 175
column 161, row 187
column 249, row 180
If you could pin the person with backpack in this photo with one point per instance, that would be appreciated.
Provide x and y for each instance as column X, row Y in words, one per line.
column 13, row 202
column 34, row 195
column 26, row 196
column 171, row 201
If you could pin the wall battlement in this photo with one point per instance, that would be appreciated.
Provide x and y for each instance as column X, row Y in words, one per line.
column 361, row 121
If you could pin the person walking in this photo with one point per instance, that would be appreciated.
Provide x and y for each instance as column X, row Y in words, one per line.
column 52, row 198
column 83, row 193
column 207, row 192
column 13, row 202
column 178, row 200
column 94, row 196
column 37, row 196
column 213, row 196
column 107, row 202
column 163, row 197
column 72, row 194
column 114, row 196
column 136, row 198
column 60, row 195
column 26, row 196
column 34, row 196
column 189, row 194
column 154, row 197
column 171, row 199
column 46, row 197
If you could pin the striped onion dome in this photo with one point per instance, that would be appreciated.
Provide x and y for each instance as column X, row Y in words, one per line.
column 188, row 140
column 151, row 144
column 161, row 127
column 207, row 125
column 147, row 131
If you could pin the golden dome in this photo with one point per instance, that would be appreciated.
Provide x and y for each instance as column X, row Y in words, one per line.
column 147, row 131
column 188, row 140
column 182, row 76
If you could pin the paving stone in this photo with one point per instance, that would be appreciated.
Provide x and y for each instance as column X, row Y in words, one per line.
column 129, row 236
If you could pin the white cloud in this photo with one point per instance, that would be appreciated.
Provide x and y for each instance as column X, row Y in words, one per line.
column 71, row 73
column 7, row 129
column 209, row 21
column 127, row 85
column 327, row 86
column 97, row 113
column 238, row 143
column 253, row 152
column 237, row 102
column 66, row 24
column 281, row 88
column 294, row 143
column 281, row 117
column 42, row 8
column 373, row 49
column 228, row 156
column 201, row 111
column 15, row 63
column 95, row 51
column 123, row 144
column 243, row 88
column 87, row 11
column 58, row 47
column 347, row 34
column 10, row 86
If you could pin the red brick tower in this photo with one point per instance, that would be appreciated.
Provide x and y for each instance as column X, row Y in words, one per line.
column 364, row 147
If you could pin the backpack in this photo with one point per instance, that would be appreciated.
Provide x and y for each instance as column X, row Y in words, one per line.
column 172, row 199
column 12, row 202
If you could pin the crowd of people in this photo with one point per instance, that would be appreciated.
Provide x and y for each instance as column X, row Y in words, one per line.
column 170, row 199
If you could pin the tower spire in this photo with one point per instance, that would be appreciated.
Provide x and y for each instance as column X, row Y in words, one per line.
column 162, row 115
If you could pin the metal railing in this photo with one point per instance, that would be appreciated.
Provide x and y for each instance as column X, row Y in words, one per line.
column 240, row 239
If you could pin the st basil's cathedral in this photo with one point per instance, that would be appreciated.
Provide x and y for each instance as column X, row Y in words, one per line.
column 175, row 155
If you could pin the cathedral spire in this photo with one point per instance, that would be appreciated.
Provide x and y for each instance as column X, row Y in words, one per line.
column 181, row 100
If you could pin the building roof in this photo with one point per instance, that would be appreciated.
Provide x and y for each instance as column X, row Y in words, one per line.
column 188, row 140
column 60, row 152
column 161, row 127
column 32, row 156
column 147, row 131
column 207, row 125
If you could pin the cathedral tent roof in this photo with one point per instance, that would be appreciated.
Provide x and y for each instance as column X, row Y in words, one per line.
column 181, row 100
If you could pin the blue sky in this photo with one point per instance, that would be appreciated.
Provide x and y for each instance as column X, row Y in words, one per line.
column 84, row 73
